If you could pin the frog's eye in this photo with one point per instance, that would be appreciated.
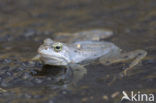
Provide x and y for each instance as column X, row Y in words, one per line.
column 57, row 47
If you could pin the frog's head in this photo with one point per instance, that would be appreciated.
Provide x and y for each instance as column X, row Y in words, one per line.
column 54, row 53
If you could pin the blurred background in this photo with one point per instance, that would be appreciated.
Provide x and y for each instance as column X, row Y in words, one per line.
column 24, row 24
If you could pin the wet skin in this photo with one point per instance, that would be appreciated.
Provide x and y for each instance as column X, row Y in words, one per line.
column 65, row 54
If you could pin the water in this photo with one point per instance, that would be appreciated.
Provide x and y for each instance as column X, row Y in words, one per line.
column 25, row 24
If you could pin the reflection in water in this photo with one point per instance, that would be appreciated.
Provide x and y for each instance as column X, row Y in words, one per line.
column 49, row 70
column 64, row 76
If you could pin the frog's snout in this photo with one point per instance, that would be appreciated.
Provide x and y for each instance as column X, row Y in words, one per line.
column 42, row 49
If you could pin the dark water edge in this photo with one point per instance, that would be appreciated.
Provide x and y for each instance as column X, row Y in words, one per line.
column 24, row 24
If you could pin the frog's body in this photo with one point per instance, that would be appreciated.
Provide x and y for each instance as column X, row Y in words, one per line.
column 63, row 54
column 76, row 52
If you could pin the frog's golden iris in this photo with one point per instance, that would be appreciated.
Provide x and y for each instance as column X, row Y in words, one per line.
column 57, row 47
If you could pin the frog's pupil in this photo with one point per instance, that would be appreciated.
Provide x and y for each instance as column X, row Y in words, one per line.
column 57, row 47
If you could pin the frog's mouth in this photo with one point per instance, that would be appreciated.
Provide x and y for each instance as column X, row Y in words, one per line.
column 53, row 60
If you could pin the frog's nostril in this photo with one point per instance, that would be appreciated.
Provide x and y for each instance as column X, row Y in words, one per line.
column 46, row 48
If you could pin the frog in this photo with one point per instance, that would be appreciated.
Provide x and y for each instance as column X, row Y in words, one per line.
column 76, row 54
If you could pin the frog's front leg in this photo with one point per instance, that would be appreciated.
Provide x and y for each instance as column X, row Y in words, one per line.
column 136, row 56
column 75, row 72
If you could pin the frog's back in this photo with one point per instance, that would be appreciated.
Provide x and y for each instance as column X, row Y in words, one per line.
column 90, row 50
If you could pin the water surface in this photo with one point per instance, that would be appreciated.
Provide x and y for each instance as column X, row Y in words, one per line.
column 25, row 24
